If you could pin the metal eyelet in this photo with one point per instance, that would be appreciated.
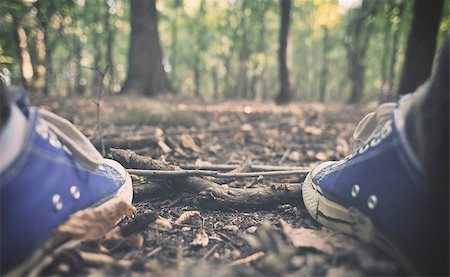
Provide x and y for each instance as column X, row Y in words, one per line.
column 375, row 142
column 355, row 190
column 55, row 142
column 66, row 150
column 372, row 202
column 57, row 202
column 42, row 130
column 363, row 149
column 75, row 192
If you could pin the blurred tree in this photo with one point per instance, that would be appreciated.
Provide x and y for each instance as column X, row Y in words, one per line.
column 421, row 45
column 284, row 95
column 359, row 30
column 145, row 69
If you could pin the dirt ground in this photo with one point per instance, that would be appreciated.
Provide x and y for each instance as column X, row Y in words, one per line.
column 212, row 241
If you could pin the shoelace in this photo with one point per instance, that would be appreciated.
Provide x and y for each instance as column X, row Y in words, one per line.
column 372, row 124
column 82, row 149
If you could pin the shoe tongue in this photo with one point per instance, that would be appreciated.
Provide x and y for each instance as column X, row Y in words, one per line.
column 82, row 149
column 372, row 124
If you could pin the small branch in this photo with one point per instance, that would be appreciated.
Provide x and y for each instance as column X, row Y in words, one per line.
column 211, row 194
column 166, row 173
column 97, row 102
column 253, row 167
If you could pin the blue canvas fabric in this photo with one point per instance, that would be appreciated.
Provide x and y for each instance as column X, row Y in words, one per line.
column 43, row 169
column 405, row 211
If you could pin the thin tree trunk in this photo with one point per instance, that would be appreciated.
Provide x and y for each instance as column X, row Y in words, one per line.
column 109, row 49
column 26, row 66
column 324, row 70
column 421, row 45
column 284, row 95
column 145, row 73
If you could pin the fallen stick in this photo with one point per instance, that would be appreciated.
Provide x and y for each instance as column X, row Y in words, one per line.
column 168, row 173
column 211, row 194
column 253, row 167
column 248, row 259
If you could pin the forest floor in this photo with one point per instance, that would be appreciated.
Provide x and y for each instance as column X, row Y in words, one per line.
column 278, row 240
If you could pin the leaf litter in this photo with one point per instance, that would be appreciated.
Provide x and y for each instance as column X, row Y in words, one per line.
column 283, row 240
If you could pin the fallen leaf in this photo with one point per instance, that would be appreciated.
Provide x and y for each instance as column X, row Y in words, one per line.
column 186, row 216
column 246, row 127
column 321, row 240
column 94, row 223
column 251, row 229
column 186, row 229
column 294, row 156
column 135, row 241
column 313, row 130
column 187, row 141
column 163, row 224
column 201, row 239
column 321, row 156
column 232, row 228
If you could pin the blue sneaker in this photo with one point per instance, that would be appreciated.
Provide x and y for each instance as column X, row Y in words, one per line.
column 384, row 183
column 57, row 177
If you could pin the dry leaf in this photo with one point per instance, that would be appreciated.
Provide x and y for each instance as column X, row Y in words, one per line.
column 321, row 240
column 163, row 224
column 246, row 127
column 135, row 241
column 96, row 258
column 201, row 239
column 251, row 229
column 188, row 142
column 321, row 156
column 186, row 229
column 94, row 223
column 313, row 130
column 186, row 216
column 232, row 228
column 114, row 234
column 294, row 156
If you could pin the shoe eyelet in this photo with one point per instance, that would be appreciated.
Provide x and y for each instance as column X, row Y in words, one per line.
column 75, row 192
column 363, row 149
column 355, row 190
column 42, row 131
column 57, row 202
column 55, row 142
column 375, row 142
column 66, row 150
column 372, row 202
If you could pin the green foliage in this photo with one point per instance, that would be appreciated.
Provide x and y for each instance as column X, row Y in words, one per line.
column 218, row 49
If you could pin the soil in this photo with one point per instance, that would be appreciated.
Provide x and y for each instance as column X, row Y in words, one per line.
column 299, row 134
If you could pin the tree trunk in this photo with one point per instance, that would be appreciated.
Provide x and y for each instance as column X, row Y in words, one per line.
column 360, row 29
column 109, row 49
column 284, row 95
column 324, row 71
column 26, row 66
column 421, row 45
column 145, row 70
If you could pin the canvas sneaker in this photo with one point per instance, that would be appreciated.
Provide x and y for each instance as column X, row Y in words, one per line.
column 56, row 176
column 382, row 182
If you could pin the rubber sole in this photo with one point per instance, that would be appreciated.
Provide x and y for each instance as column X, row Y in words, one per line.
column 341, row 219
column 43, row 256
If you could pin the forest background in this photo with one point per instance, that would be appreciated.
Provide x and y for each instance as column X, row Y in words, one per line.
column 305, row 50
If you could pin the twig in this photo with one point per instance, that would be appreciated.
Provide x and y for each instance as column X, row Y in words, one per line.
column 209, row 253
column 211, row 194
column 97, row 102
column 248, row 259
column 154, row 252
column 253, row 167
column 185, row 173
